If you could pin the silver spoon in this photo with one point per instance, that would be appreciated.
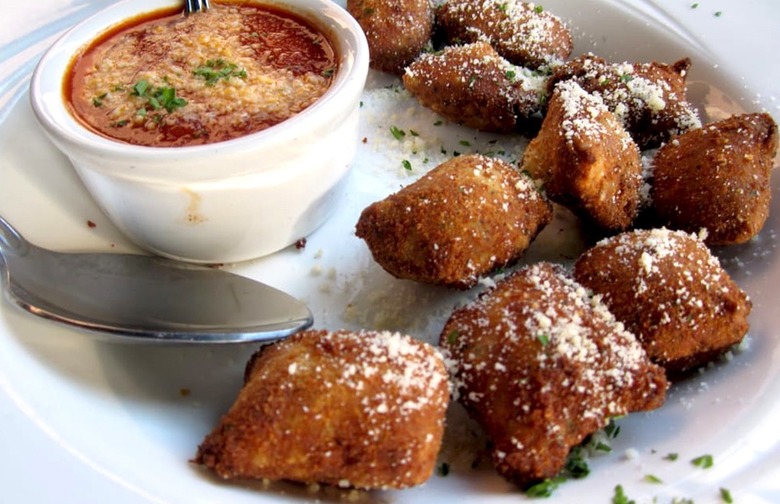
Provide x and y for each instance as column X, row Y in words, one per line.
column 191, row 6
column 144, row 298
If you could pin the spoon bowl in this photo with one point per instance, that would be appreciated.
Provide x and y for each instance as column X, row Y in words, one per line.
column 144, row 298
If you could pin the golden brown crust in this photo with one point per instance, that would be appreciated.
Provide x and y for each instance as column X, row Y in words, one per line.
column 362, row 410
column 717, row 178
column 464, row 219
column 521, row 32
column 649, row 98
column 474, row 86
column 668, row 289
column 586, row 159
column 540, row 365
column 397, row 31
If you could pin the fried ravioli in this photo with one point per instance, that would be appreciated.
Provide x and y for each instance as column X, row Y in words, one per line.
column 586, row 159
column 351, row 409
column 474, row 86
column 462, row 220
column 669, row 290
column 649, row 98
column 717, row 178
column 541, row 365
column 521, row 32
column 397, row 31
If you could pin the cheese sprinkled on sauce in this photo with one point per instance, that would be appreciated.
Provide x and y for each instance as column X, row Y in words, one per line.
column 226, row 72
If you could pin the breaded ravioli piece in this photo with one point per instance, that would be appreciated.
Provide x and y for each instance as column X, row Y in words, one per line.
column 669, row 290
column 649, row 98
column 352, row 409
column 541, row 365
column 586, row 159
column 717, row 178
column 523, row 33
column 474, row 86
column 397, row 31
column 464, row 219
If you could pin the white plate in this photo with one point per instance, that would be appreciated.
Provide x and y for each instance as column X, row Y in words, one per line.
column 86, row 421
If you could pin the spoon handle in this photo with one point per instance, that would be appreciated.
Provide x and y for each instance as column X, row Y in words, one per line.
column 191, row 6
column 11, row 242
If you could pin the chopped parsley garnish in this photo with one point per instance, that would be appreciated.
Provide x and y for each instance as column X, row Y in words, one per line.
column 538, row 9
column 119, row 124
column 452, row 337
column 397, row 133
column 620, row 496
column 158, row 97
column 214, row 70
column 576, row 465
column 651, row 478
column 725, row 495
column 543, row 339
column 328, row 72
column 407, row 165
column 626, row 77
column 695, row 6
column 465, row 143
column 438, row 123
column 511, row 75
column 703, row 461
column 612, row 430
column 140, row 88
column 672, row 456
column 167, row 99
column 444, row 469
column 97, row 101
column 545, row 488
column 718, row 14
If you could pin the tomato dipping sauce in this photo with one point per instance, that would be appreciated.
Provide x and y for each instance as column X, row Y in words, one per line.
column 167, row 80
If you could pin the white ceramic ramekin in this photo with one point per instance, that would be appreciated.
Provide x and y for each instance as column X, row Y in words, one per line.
column 223, row 202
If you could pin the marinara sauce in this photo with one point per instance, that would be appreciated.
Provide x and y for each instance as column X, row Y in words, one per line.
column 164, row 79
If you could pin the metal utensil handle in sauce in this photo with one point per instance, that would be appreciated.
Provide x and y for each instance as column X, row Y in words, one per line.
column 191, row 6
